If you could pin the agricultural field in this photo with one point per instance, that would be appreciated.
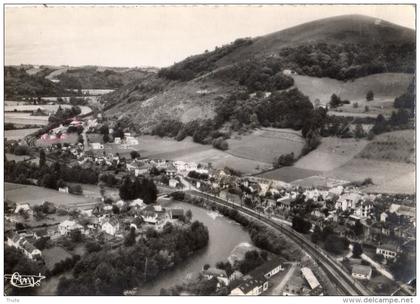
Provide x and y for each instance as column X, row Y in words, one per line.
column 47, row 108
column 18, row 134
column 388, row 177
column 332, row 153
column 388, row 160
column 385, row 86
column 397, row 146
column 266, row 144
column 289, row 174
column 34, row 195
column 166, row 148
column 17, row 118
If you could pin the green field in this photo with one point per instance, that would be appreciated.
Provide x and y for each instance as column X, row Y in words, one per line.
column 385, row 86
column 397, row 146
column 266, row 144
column 34, row 195
column 18, row 134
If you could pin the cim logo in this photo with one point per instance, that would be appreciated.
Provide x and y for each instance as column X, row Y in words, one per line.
column 24, row 281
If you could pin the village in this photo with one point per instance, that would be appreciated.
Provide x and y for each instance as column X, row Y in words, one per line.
column 368, row 233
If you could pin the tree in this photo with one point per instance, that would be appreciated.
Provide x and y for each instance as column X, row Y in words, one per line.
column 335, row 244
column 188, row 215
column 42, row 158
column 76, row 235
column 206, row 266
column 359, row 132
column 130, row 238
column 335, row 101
column 134, row 154
column 316, row 235
column 357, row 250
column 300, row 225
column 369, row 95
column 358, row 228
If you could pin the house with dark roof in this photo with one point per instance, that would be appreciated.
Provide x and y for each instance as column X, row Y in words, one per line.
column 269, row 268
column 176, row 213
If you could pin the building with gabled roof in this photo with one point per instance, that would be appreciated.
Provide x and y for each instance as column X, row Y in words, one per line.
column 250, row 286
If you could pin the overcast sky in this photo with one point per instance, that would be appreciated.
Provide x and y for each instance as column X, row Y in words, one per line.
column 155, row 35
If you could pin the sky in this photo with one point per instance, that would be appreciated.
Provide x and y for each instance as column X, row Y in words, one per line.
column 155, row 35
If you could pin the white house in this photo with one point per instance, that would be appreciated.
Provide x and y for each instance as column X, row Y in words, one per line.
column 67, row 226
column 20, row 242
column 117, row 140
column 24, row 207
column 383, row 217
column 250, row 286
column 111, row 226
column 131, row 141
column 96, row 146
column 361, row 272
column 63, row 189
column 173, row 183
column 138, row 203
column 389, row 251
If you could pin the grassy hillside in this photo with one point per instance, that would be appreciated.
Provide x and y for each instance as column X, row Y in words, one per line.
column 352, row 29
column 397, row 146
column 345, row 48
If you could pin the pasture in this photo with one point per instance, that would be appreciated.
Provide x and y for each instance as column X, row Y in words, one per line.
column 18, row 134
column 264, row 145
column 385, row 86
column 332, row 153
column 397, row 146
column 388, row 177
column 166, row 148
column 34, row 195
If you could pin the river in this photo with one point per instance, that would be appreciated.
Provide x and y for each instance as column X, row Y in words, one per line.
column 224, row 236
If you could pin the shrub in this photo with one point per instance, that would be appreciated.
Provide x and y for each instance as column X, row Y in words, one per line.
column 220, row 143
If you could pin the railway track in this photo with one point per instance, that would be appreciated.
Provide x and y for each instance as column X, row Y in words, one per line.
column 341, row 279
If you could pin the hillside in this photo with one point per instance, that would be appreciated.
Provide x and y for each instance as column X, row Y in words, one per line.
column 33, row 81
column 351, row 29
column 341, row 48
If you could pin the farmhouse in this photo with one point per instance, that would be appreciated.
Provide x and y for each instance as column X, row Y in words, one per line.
column 361, row 272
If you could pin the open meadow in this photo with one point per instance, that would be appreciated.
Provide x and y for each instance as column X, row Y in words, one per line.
column 34, row 195
column 18, row 133
column 388, row 160
column 385, row 86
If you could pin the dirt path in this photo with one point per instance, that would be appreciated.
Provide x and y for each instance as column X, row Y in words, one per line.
column 279, row 288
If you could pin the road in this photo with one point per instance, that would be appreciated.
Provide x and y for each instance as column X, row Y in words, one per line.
column 279, row 288
column 344, row 282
